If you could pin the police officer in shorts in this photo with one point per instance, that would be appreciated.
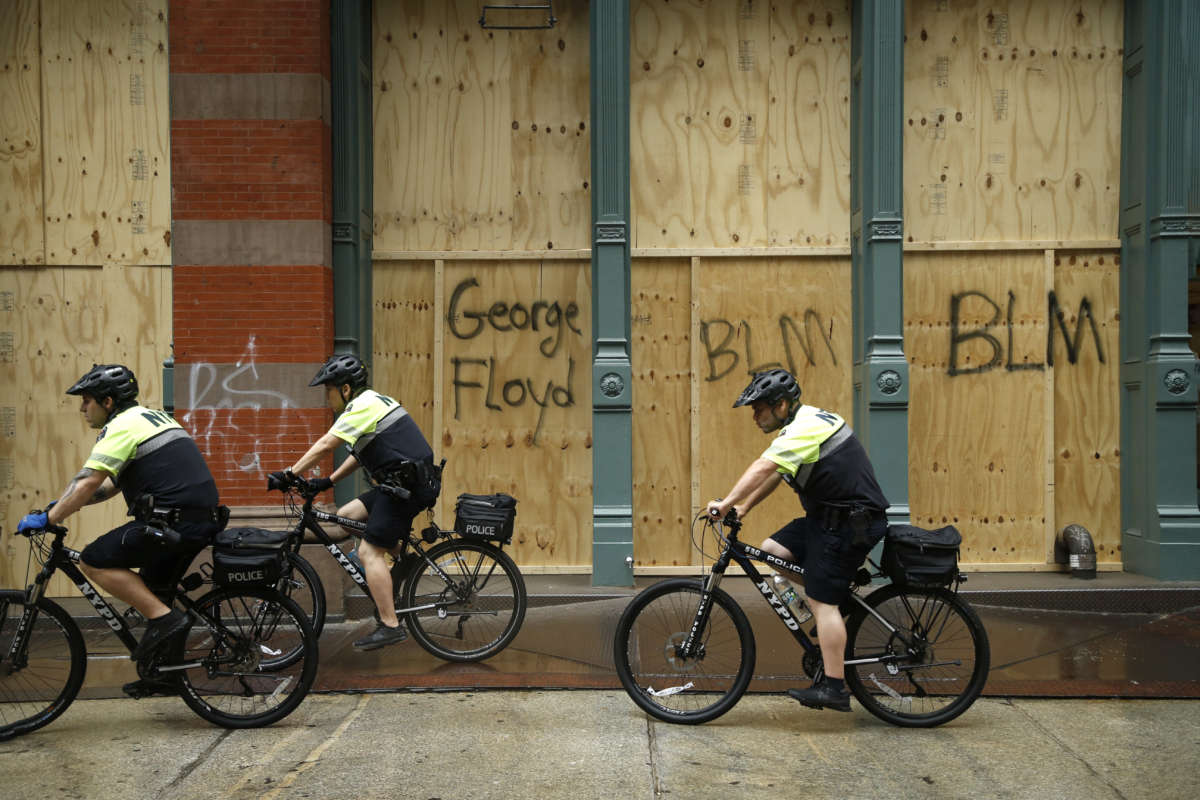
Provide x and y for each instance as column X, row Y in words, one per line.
column 817, row 454
column 385, row 440
column 156, row 464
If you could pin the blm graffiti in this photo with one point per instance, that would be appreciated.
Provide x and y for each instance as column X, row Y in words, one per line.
column 481, row 381
column 803, row 340
column 1003, row 355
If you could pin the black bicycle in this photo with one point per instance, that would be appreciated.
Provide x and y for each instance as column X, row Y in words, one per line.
column 225, row 665
column 915, row 656
column 463, row 598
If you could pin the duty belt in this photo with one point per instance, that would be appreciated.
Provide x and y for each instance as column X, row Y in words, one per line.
column 193, row 515
column 834, row 517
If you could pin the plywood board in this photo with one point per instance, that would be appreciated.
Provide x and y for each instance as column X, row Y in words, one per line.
column 62, row 320
column 105, row 121
column 975, row 336
column 514, row 398
column 698, row 121
column 21, row 229
column 661, row 291
column 808, row 123
column 1087, row 424
column 1012, row 120
column 481, row 137
column 405, row 317
column 756, row 314
column 550, row 133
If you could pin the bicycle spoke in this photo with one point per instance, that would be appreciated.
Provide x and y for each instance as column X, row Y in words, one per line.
column 672, row 687
column 239, row 681
column 47, row 671
column 927, row 670
column 467, row 601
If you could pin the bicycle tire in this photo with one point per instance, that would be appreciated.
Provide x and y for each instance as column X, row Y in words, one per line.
column 945, row 630
column 301, row 582
column 229, row 686
column 459, row 630
column 31, row 697
column 695, row 690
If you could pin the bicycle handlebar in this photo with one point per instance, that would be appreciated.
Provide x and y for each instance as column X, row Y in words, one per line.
column 287, row 480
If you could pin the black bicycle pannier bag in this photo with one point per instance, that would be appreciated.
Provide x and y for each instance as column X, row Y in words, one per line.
column 485, row 516
column 248, row 556
column 914, row 556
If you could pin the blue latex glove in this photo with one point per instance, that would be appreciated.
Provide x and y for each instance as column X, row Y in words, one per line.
column 37, row 521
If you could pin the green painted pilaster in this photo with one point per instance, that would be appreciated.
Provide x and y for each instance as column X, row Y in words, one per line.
column 1160, row 224
column 612, row 372
column 350, row 120
column 877, row 243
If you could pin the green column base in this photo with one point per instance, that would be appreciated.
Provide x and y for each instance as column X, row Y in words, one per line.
column 1175, row 556
column 612, row 550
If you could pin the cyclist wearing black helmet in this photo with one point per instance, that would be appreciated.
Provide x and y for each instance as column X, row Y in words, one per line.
column 384, row 439
column 147, row 455
column 817, row 454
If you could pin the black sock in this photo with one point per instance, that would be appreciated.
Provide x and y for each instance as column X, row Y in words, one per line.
column 837, row 684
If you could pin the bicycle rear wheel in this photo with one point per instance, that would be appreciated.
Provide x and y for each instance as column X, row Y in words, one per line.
column 42, row 679
column 476, row 596
column 926, row 665
column 689, row 690
column 240, row 631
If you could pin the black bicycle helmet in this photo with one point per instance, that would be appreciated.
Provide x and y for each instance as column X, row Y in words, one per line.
column 108, row 380
column 342, row 369
column 771, row 385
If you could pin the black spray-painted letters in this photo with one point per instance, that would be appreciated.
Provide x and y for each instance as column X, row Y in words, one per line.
column 717, row 334
column 1073, row 341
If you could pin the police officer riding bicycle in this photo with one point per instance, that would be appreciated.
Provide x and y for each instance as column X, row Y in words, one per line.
column 818, row 455
column 165, row 481
column 384, row 439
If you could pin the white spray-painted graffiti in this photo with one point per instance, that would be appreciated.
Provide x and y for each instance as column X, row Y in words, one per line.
column 216, row 392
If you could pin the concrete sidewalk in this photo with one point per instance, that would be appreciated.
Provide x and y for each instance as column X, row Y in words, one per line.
column 596, row 744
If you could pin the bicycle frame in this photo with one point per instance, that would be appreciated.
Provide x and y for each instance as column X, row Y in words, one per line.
column 308, row 521
column 744, row 555
column 65, row 559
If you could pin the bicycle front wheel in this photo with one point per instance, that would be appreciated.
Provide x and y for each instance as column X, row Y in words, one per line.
column 37, row 681
column 300, row 582
column 672, row 687
column 230, row 680
column 924, row 658
column 469, row 600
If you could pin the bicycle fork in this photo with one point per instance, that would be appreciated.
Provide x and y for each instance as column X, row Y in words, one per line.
column 690, row 648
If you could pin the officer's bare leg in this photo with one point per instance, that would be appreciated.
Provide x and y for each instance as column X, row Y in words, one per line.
column 831, row 630
column 379, row 581
column 776, row 549
column 354, row 510
column 127, row 585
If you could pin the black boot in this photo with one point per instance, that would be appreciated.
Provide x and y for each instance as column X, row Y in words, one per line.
column 158, row 630
column 382, row 636
column 822, row 695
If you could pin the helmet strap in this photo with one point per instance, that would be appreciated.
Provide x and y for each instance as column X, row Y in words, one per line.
column 109, row 414
column 786, row 418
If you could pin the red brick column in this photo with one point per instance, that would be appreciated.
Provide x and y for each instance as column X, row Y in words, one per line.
column 252, row 207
